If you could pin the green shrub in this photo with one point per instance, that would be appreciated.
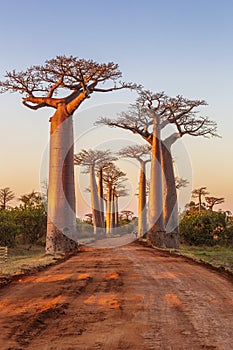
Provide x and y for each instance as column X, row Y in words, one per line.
column 8, row 228
column 203, row 228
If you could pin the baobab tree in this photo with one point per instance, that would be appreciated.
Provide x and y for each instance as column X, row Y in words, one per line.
column 112, row 177
column 6, row 195
column 211, row 201
column 153, row 112
column 147, row 114
column 198, row 193
column 142, row 153
column 119, row 190
column 105, row 162
column 91, row 159
column 62, row 83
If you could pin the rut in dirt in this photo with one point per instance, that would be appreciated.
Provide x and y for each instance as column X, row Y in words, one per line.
column 130, row 297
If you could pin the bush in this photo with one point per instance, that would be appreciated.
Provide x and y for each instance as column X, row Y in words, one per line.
column 227, row 236
column 23, row 225
column 32, row 222
column 8, row 228
column 203, row 228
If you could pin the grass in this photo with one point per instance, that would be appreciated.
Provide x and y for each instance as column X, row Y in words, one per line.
column 21, row 259
column 216, row 256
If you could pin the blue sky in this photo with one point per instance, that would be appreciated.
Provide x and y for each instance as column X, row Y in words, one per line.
column 181, row 47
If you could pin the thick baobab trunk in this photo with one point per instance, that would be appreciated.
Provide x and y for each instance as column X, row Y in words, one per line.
column 156, row 233
column 109, row 210
column 95, row 201
column 61, row 223
column 142, row 215
column 170, row 208
column 101, row 196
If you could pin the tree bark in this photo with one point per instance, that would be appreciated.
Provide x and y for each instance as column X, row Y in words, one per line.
column 101, row 196
column 142, row 215
column 61, row 223
column 108, row 210
column 113, row 211
column 95, row 201
column 170, row 208
column 156, row 233
column 116, row 212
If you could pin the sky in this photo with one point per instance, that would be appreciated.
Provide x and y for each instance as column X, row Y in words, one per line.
column 180, row 47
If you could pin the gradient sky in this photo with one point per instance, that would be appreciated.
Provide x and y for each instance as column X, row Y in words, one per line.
column 180, row 47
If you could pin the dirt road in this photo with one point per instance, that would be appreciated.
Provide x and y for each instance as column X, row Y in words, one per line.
column 129, row 297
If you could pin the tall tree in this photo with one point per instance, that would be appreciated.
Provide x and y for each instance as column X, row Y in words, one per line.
column 62, row 83
column 105, row 162
column 142, row 153
column 118, row 191
column 198, row 193
column 6, row 195
column 112, row 177
column 179, row 111
column 211, row 201
column 91, row 159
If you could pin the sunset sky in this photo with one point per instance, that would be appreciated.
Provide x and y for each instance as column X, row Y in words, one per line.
column 180, row 47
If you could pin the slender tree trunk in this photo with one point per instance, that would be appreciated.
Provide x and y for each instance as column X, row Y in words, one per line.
column 156, row 223
column 116, row 212
column 113, row 211
column 108, row 209
column 61, row 224
column 95, row 201
column 170, row 202
column 142, row 221
column 101, row 196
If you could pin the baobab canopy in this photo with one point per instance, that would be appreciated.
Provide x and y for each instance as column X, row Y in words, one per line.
column 41, row 83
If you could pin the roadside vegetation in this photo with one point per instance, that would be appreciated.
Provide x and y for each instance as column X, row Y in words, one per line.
column 207, row 234
column 218, row 256
column 21, row 259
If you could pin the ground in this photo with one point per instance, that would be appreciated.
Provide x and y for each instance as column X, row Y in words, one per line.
column 127, row 297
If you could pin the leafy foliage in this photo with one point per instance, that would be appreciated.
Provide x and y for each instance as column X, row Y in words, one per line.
column 25, row 224
column 9, row 229
column 203, row 228
column 32, row 224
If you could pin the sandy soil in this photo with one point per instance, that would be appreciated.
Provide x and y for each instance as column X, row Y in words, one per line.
column 129, row 297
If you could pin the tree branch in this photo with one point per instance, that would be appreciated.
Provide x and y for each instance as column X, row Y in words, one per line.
column 168, row 142
column 39, row 102
column 35, row 107
column 54, row 87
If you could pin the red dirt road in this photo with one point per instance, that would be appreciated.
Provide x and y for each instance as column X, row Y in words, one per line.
column 130, row 297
